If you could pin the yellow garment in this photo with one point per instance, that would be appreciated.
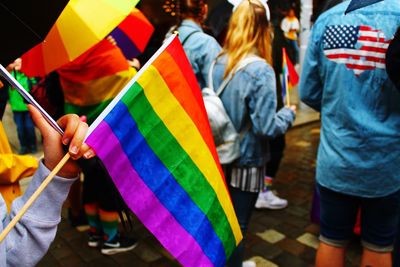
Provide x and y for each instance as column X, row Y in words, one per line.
column 12, row 169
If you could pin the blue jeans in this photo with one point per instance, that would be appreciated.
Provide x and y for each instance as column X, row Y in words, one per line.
column 243, row 202
column 26, row 130
column 379, row 219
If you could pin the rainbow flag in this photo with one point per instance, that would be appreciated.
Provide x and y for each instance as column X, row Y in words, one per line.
column 290, row 77
column 156, row 143
column 133, row 34
column 92, row 80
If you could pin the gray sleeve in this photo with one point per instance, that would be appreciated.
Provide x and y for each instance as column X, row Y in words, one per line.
column 31, row 237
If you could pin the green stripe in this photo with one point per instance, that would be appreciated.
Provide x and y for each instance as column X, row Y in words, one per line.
column 179, row 163
column 91, row 112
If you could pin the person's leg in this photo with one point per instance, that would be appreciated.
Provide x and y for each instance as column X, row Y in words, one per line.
column 396, row 249
column 266, row 198
column 243, row 202
column 90, row 201
column 337, row 220
column 329, row 256
column 379, row 221
column 76, row 213
column 295, row 50
column 110, row 206
column 30, row 132
column 19, row 122
column 371, row 259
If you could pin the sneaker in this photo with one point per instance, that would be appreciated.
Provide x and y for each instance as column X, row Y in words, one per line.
column 268, row 200
column 249, row 264
column 118, row 245
column 94, row 240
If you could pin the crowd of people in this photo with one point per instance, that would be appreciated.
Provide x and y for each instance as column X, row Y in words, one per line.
column 239, row 53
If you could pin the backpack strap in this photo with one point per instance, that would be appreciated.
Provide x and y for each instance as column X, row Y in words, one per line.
column 187, row 37
column 243, row 63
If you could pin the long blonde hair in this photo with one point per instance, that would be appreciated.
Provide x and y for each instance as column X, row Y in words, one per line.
column 248, row 33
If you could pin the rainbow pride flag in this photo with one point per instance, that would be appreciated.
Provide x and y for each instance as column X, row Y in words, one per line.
column 92, row 80
column 133, row 34
column 156, row 143
column 290, row 77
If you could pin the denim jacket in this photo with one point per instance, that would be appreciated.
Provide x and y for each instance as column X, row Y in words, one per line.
column 250, row 101
column 344, row 78
column 200, row 48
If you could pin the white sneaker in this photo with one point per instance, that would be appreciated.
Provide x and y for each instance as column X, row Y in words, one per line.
column 268, row 200
column 249, row 264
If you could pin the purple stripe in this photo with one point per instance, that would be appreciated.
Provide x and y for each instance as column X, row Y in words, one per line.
column 143, row 202
column 125, row 43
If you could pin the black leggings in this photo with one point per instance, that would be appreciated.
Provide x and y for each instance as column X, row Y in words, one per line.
column 99, row 188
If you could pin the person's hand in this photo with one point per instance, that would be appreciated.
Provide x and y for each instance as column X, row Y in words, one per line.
column 293, row 108
column 74, row 134
column 111, row 40
column 16, row 65
column 134, row 63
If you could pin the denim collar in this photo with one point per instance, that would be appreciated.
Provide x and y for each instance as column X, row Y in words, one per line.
column 191, row 24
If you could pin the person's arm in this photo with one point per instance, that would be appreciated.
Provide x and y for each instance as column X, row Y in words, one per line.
column 311, row 86
column 262, row 107
column 29, row 240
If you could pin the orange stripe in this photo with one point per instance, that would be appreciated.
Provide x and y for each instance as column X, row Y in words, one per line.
column 95, row 91
column 102, row 60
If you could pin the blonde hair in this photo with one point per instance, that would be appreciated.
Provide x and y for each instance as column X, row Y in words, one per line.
column 248, row 33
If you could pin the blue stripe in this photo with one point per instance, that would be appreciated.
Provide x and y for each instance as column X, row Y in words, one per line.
column 128, row 47
column 159, row 179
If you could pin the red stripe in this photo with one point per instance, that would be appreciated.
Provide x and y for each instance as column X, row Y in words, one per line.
column 359, row 67
column 374, row 49
column 356, row 57
column 371, row 39
column 367, row 28
column 137, row 28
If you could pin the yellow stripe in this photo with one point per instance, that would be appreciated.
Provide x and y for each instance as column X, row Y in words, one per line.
column 95, row 91
column 177, row 120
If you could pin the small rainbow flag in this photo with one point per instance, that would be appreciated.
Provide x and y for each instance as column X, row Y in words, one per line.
column 92, row 80
column 289, row 75
column 133, row 34
column 156, row 143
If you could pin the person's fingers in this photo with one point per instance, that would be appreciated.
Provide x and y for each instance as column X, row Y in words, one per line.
column 77, row 140
column 40, row 122
column 69, row 124
column 86, row 151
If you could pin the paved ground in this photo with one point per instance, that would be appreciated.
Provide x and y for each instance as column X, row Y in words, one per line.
column 276, row 238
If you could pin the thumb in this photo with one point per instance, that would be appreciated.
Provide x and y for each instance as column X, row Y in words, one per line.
column 40, row 122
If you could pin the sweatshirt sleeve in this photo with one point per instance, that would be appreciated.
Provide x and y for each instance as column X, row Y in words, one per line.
column 31, row 237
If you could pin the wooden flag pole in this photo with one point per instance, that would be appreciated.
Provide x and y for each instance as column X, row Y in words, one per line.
column 287, row 91
column 34, row 196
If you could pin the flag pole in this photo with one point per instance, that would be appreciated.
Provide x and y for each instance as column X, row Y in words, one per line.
column 34, row 196
column 287, row 91
column 14, row 83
